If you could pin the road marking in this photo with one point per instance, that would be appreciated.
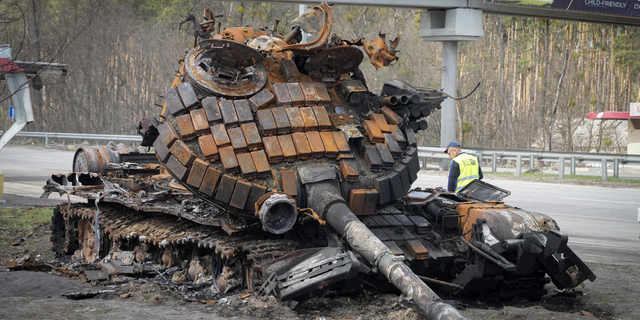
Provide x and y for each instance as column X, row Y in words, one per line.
column 638, row 203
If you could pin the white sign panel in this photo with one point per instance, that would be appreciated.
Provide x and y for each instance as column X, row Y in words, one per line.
column 635, row 109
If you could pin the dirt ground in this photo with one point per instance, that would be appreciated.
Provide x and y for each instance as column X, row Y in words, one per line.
column 25, row 294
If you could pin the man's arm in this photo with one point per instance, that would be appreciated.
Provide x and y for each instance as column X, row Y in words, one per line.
column 454, row 173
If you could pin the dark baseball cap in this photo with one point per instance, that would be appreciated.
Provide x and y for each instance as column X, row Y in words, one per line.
column 452, row 144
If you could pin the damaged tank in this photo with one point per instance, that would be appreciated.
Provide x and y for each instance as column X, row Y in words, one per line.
column 276, row 170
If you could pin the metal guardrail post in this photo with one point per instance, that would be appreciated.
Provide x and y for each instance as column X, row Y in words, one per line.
column 494, row 162
column 518, row 165
column 616, row 167
column 604, row 169
column 46, row 140
column 532, row 162
column 424, row 163
column 479, row 156
column 561, row 167
column 573, row 166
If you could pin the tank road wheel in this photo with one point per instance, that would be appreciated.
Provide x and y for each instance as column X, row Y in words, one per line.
column 86, row 240
column 226, row 274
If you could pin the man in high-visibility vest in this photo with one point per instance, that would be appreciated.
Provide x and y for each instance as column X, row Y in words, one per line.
column 463, row 169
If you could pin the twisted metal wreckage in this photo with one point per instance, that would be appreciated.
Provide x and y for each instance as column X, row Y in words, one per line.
column 276, row 169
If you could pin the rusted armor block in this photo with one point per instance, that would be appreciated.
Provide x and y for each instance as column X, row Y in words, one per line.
column 185, row 126
column 309, row 118
column 324, row 123
column 403, row 171
column 290, row 70
column 422, row 225
column 210, row 106
column 273, row 150
column 168, row 134
column 252, row 136
column 200, row 123
column 302, row 145
column 413, row 172
column 243, row 110
column 229, row 160
column 349, row 169
column 372, row 158
column 295, row 119
column 188, row 95
column 177, row 168
column 391, row 116
column 173, row 101
column 315, row 142
column 162, row 152
column 297, row 96
column 289, row 152
column 385, row 155
column 416, row 248
column 411, row 137
column 257, row 191
column 208, row 147
column 247, row 168
column 261, row 100
column 341, row 142
column 197, row 172
column 289, row 182
column 395, row 185
column 329, row 143
column 384, row 193
column 310, row 94
column 370, row 202
column 392, row 144
column 266, row 121
column 356, row 201
column 238, row 142
column 263, row 169
column 228, row 111
column 283, row 98
column 182, row 153
column 321, row 90
column 282, row 120
column 220, row 135
column 397, row 133
column 373, row 132
column 225, row 188
column 210, row 181
column 240, row 194
column 380, row 120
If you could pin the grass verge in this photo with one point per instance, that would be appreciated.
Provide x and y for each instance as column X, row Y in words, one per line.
column 20, row 220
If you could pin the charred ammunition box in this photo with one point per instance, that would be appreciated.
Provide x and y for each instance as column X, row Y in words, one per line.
column 272, row 149
column 162, row 152
column 372, row 158
column 228, row 111
column 403, row 171
column 225, row 188
column 341, row 142
column 188, row 95
column 385, row 155
column 228, row 159
column 261, row 100
column 356, row 200
column 283, row 98
column 266, row 121
column 315, row 142
column 406, row 222
column 297, row 95
column 238, row 142
column 397, row 133
column 391, row 220
column 185, row 126
column 411, row 137
column 257, row 191
column 240, row 194
column 200, row 123
column 370, row 202
column 302, row 145
column 349, row 169
column 289, row 152
column 384, row 193
column 177, row 168
column 392, row 144
column 210, row 106
column 290, row 70
column 263, row 169
column 324, row 123
column 309, row 118
column 310, row 94
column 391, row 116
column 220, row 135
column 379, row 119
column 321, row 90
column 380, row 234
column 168, row 134
column 373, row 132
column 422, row 225
column 289, row 182
column 395, row 249
column 329, row 143
column 243, row 110
column 395, row 185
column 416, row 248
column 173, row 101
column 198, row 169
column 295, row 119
column 252, row 136
column 210, row 181
column 247, row 168
column 282, row 120
column 182, row 153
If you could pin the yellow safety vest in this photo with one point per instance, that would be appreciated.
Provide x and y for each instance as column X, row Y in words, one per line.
column 469, row 170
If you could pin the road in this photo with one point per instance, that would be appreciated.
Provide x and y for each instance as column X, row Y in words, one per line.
column 602, row 223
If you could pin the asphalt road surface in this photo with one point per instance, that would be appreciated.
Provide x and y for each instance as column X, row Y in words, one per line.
column 602, row 223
